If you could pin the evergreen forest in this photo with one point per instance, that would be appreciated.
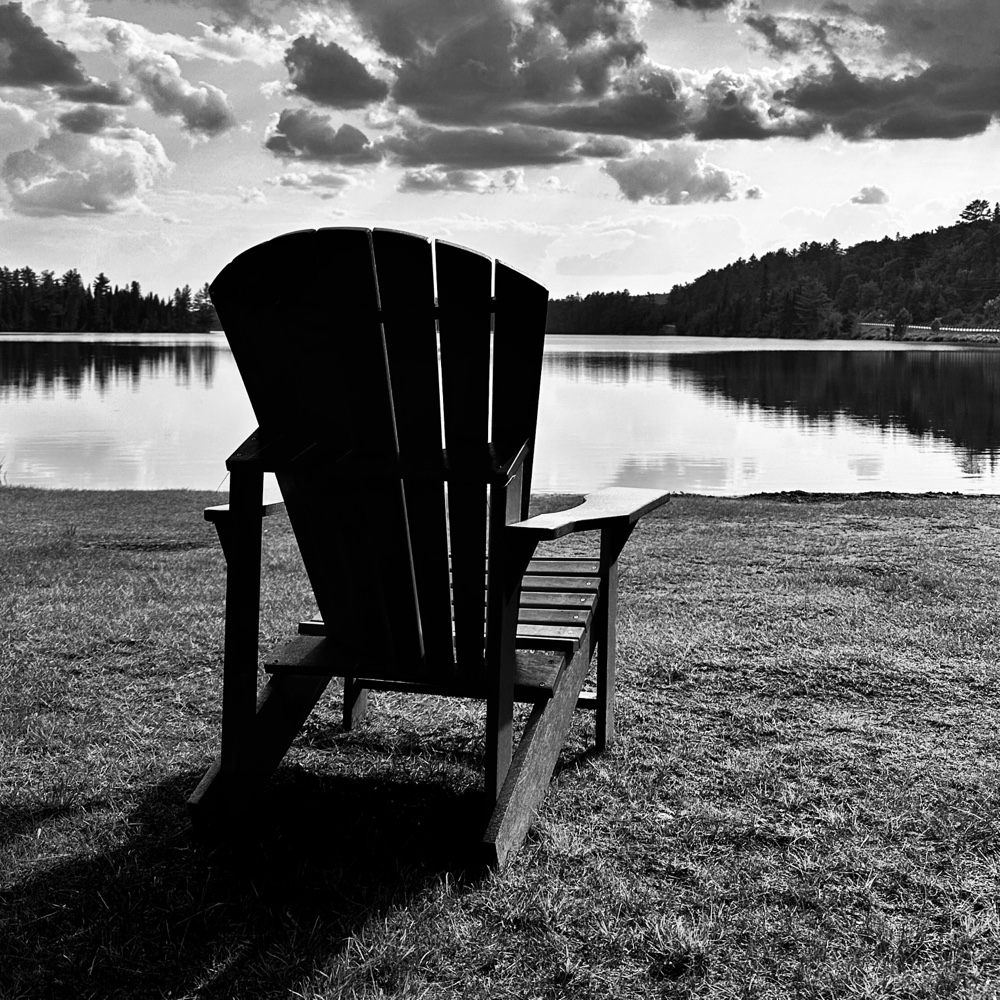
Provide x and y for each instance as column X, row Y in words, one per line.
column 949, row 277
column 44, row 303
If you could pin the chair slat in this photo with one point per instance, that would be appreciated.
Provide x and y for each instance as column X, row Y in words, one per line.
column 560, row 583
column 548, row 566
column 464, row 281
column 518, row 344
column 554, row 599
column 406, row 281
column 300, row 350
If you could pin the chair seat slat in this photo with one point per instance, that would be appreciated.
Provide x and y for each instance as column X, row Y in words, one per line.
column 319, row 655
column 564, row 567
column 541, row 633
column 561, row 583
column 556, row 599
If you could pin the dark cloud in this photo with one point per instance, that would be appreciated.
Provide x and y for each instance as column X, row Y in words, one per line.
column 98, row 93
column 328, row 74
column 942, row 102
column 740, row 106
column 477, row 148
column 88, row 120
column 604, row 147
column 580, row 21
column 650, row 105
column 304, row 135
column 700, row 4
column 504, row 83
column 872, row 195
column 510, row 59
column 780, row 38
column 29, row 58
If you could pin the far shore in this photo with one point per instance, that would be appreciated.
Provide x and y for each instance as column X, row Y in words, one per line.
column 971, row 336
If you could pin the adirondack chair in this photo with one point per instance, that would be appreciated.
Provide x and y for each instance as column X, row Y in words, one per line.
column 396, row 385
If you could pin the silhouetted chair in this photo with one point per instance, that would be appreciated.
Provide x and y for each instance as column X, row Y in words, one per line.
column 396, row 387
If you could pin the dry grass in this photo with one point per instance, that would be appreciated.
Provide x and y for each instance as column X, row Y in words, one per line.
column 803, row 802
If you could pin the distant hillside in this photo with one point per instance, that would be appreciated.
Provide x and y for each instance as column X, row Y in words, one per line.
column 950, row 277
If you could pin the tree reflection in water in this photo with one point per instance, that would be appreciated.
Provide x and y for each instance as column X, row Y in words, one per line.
column 947, row 394
column 50, row 365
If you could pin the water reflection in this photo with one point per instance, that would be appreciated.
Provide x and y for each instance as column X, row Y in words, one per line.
column 119, row 412
column 55, row 365
column 102, row 412
column 947, row 394
column 953, row 395
column 736, row 420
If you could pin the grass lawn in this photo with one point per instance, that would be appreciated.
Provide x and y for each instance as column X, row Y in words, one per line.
column 803, row 801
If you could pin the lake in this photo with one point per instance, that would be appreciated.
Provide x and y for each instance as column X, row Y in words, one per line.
column 700, row 415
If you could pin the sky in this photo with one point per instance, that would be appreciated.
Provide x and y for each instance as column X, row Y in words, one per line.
column 594, row 144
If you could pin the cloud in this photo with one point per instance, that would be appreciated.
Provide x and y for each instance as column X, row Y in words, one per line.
column 304, row 135
column 325, row 183
column 72, row 22
column 231, row 44
column 944, row 102
column 497, row 60
column 94, row 92
column 18, row 127
column 249, row 195
column 872, row 195
column 429, row 180
column 479, row 148
column 702, row 4
column 955, row 32
column 71, row 173
column 675, row 175
column 30, row 58
column 330, row 75
column 203, row 110
column 880, row 69
column 88, row 120
column 604, row 147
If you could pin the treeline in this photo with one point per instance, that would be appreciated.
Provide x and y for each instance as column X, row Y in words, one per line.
column 44, row 303
column 948, row 277
column 616, row 313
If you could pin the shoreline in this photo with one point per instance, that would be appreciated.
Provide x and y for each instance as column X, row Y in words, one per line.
column 785, row 496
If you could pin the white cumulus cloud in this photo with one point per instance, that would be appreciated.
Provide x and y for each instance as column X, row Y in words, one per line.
column 675, row 175
column 72, row 173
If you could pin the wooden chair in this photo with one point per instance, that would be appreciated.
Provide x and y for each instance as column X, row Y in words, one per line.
column 396, row 387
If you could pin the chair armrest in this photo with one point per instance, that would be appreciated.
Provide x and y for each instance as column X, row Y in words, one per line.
column 220, row 512
column 614, row 507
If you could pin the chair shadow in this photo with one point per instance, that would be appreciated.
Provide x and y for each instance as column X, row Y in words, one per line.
column 158, row 911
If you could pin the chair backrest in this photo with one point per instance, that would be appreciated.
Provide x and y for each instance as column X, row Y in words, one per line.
column 394, row 378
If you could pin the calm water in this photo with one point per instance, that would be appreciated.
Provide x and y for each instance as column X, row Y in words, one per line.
column 699, row 415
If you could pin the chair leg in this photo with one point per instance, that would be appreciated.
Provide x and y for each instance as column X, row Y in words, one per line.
column 283, row 705
column 531, row 769
column 240, row 535
column 355, row 703
column 612, row 542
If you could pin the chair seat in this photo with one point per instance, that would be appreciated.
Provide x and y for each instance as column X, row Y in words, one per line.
column 558, row 596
